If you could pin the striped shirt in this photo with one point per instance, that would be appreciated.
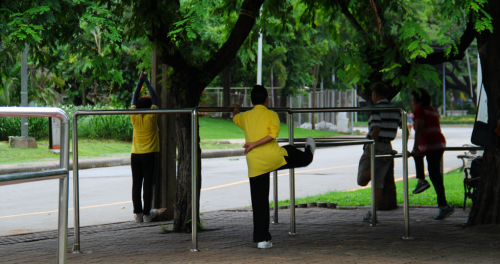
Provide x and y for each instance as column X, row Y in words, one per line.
column 388, row 121
column 432, row 138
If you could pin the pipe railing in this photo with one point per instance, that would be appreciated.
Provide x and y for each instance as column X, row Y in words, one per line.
column 62, row 173
column 372, row 160
column 76, row 192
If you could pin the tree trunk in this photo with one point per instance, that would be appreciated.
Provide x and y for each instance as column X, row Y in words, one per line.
column 165, row 181
column 183, row 81
column 486, row 205
column 84, row 95
column 315, row 75
column 226, row 91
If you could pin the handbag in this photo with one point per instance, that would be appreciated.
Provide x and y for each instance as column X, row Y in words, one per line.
column 482, row 133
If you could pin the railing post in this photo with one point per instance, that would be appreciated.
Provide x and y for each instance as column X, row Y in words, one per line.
column 194, row 179
column 374, row 189
column 292, row 179
column 275, row 196
column 76, row 188
column 405, row 178
column 62, row 231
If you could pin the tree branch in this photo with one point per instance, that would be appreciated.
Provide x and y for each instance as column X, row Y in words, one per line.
column 349, row 16
column 238, row 35
column 465, row 41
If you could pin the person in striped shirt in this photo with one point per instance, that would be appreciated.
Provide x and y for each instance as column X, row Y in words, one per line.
column 429, row 142
column 383, row 127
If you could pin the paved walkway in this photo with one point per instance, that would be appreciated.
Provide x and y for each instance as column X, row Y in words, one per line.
column 324, row 236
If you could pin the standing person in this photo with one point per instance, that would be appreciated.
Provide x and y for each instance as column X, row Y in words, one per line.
column 145, row 148
column 383, row 127
column 409, row 121
column 261, row 127
column 429, row 142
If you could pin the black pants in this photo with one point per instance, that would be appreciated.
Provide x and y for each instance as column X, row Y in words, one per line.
column 434, row 159
column 259, row 190
column 143, row 170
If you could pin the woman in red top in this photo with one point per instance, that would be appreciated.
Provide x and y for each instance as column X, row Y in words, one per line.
column 429, row 142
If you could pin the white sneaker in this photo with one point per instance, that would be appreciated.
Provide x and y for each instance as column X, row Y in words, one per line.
column 152, row 214
column 138, row 218
column 312, row 145
column 265, row 244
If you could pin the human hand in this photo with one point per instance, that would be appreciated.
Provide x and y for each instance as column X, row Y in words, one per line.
column 236, row 107
column 248, row 146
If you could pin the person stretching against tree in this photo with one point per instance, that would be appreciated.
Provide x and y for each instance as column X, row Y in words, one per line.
column 383, row 127
column 429, row 142
column 145, row 148
column 263, row 154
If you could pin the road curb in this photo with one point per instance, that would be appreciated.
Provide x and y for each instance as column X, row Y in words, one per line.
column 111, row 162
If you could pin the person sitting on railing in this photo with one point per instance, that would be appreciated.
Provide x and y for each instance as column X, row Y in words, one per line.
column 383, row 127
column 261, row 127
column 429, row 142
column 145, row 148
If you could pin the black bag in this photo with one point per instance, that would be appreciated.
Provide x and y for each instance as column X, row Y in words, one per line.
column 482, row 133
column 475, row 167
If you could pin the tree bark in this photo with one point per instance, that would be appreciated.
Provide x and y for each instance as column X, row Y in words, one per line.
column 226, row 90
column 165, row 182
column 315, row 73
column 486, row 205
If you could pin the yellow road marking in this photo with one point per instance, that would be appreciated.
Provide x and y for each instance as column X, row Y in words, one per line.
column 216, row 187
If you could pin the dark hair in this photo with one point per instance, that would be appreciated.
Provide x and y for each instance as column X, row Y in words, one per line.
column 145, row 102
column 423, row 98
column 381, row 89
column 258, row 95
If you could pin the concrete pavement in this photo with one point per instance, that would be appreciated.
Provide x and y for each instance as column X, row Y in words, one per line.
column 323, row 236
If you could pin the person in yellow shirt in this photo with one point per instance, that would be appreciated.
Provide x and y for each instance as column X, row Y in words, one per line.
column 263, row 154
column 145, row 148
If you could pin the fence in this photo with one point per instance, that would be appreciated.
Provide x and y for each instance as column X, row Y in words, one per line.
column 62, row 173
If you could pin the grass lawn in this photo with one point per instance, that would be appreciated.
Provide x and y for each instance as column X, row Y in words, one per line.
column 452, row 182
column 216, row 128
column 87, row 149
column 211, row 131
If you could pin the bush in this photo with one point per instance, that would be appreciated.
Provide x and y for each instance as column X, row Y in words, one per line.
column 91, row 127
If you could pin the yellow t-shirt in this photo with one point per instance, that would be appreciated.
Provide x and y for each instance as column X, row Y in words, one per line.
column 257, row 124
column 145, row 139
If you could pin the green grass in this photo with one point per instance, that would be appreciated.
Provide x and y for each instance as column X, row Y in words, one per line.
column 452, row 181
column 215, row 128
column 87, row 149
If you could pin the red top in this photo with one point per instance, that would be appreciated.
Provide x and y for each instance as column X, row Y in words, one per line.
column 432, row 138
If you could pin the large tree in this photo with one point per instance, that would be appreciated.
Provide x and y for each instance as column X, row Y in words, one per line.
column 486, row 205
column 175, row 28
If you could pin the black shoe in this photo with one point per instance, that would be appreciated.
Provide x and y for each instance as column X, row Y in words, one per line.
column 421, row 186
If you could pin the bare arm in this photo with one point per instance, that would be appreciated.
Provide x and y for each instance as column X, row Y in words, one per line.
column 251, row 145
column 419, row 127
column 236, row 110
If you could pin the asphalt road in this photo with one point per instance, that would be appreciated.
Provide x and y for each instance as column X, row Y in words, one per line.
column 105, row 193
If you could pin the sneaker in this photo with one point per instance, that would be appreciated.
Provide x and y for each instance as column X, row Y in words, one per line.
column 367, row 217
column 152, row 214
column 138, row 218
column 310, row 144
column 421, row 186
column 265, row 244
column 444, row 212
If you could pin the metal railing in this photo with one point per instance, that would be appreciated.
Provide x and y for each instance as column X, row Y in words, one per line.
column 194, row 170
column 404, row 155
column 194, row 153
column 62, row 173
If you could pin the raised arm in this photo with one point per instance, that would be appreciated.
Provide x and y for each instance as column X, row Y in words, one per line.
column 137, row 91
column 152, row 92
